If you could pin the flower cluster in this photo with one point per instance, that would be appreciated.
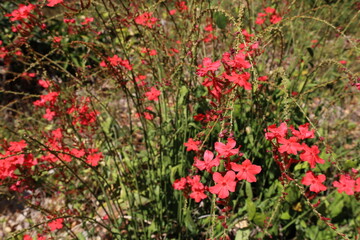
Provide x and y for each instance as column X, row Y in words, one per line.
column 23, row 12
column 116, row 61
column 235, row 72
column 146, row 19
column 227, row 156
column 289, row 148
column 348, row 183
column 270, row 14
column 13, row 158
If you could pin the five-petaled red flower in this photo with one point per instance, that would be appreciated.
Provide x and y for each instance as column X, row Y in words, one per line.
column 153, row 94
column 303, row 132
column 180, row 184
column 276, row 132
column 240, row 79
column 246, row 170
column 224, row 184
column 310, row 155
column 345, row 184
column 49, row 115
column 290, row 146
column 226, row 150
column 207, row 65
column 208, row 163
column 56, row 224
column 315, row 182
column 192, row 145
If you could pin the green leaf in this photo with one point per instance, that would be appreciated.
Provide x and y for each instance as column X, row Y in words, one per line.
column 292, row 194
column 173, row 171
column 248, row 190
column 272, row 189
column 285, row 215
column 251, row 208
column 303, row 224
column 183, row 92
column 336, row 205
column 259, row 219
column 242, row 234
column 189, row 223
column 299, row 166
column 220, row 20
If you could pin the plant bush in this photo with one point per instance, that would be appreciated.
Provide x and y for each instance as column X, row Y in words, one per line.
column 180, row 119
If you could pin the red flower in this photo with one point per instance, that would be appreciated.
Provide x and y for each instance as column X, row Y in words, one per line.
column 117, row 61
column 17, row 146
column 148, row 116
column 303, row 132
column 314, row 181
column 239, row 61
column 50, row 97
column 224, row 184
column 197, row 188
column 192, row 145
column 209, row 37
column 275, row 19
column 357, row 186
column 146, row 19
column 27, row 237
column 44, row 83
column 247, row 35
column 181, row 6
column 57, row 134
column 22, row 12
column 114, row 60
column 69, row 20
column 207, row 66
column 269, row 10
column 239, row 79
column 276, row 132
column 56, row 224
column 208, row 163
column 77, row 153
column 65, row 157
column 199, row 117
column 54, row 2
column 209, row 28
column 49, row 115
column 226, row 150
column 153, row 94
column 87, row 21
column 180, row 184
column 263, row 78
column 94, row 159
column 260, row 20
column 246, row 170
column 310, row 155
column 291, row 146
column 198, row 193
column 345, row 184
column 151, row 52
column 343, row 62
